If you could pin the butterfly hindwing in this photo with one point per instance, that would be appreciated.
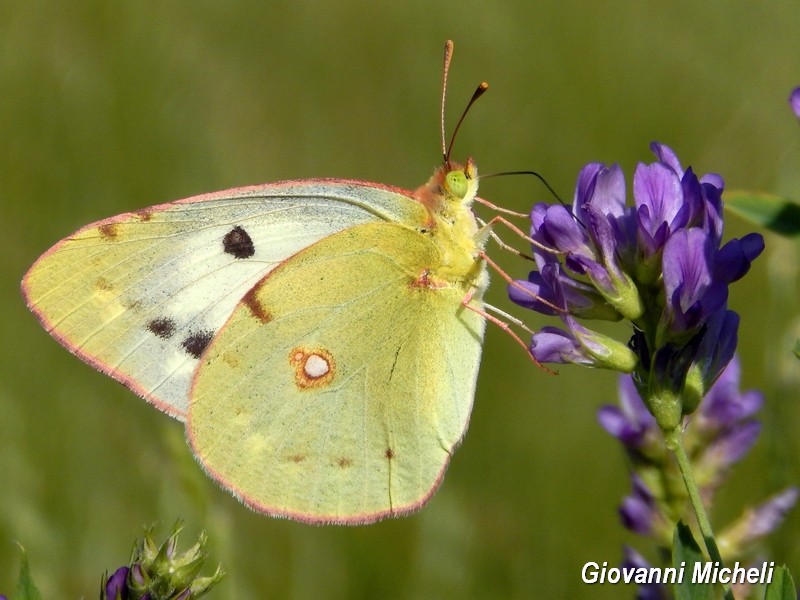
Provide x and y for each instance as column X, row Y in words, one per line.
column 342, row 382
column 140, row 296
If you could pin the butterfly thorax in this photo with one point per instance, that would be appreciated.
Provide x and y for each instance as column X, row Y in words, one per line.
column 448, row 196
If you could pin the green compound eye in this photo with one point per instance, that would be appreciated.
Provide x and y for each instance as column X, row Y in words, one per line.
column 457, row 183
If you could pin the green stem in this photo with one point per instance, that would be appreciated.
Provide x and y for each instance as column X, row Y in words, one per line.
column 675, row 443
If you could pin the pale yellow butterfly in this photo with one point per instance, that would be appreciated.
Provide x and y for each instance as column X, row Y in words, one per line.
column 320, row 338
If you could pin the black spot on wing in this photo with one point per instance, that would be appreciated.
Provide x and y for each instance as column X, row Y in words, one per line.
column 238, row 243
column 162, row 327
column 197, row 342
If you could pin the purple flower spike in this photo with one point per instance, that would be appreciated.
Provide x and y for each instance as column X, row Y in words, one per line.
column 794, row 101
column 657, row 263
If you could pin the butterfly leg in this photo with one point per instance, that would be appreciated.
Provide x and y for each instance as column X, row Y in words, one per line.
column 499, row 270
column 501, row 219
column 504, row 326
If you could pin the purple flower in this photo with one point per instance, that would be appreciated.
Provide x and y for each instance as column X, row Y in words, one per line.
column 555, row 345
column 716, row 348
column 116, row 587
column 692, row 295
column 725, row 405
column 591, row 238
column 794, row 101
column 638, row 510
column 630, row 422
column 660, row 207
column 552, row 287
column 581, row 346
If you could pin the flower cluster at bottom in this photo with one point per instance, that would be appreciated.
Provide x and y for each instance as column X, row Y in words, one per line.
column 158, row 573
column 718, row 435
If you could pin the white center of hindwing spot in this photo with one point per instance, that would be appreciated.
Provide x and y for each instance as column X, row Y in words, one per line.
column 313, row 367
column 316, row 366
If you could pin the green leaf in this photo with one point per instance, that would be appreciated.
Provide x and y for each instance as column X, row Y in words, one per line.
column 686, row 552
column 782, row 586
column 797, row 348
column 26, row 589
column 776, row 213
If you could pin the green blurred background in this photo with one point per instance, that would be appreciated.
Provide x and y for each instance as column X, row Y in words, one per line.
column 107, row 107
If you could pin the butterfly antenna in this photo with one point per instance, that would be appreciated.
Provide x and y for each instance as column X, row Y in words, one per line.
column 482, row 87
column 448, row 56
column 447, row 148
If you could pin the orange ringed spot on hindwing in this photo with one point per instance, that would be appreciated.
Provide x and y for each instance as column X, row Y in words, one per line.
column 313, row 367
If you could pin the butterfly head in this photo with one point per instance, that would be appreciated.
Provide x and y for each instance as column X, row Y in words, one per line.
column 452, row 188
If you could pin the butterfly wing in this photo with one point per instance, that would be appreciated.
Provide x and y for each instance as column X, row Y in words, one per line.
column 342, row 383
column 140, row 296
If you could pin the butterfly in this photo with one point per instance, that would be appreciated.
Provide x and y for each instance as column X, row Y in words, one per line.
column 320, row 338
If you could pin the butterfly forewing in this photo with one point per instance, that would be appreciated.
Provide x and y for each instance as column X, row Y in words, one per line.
column 140, row 296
